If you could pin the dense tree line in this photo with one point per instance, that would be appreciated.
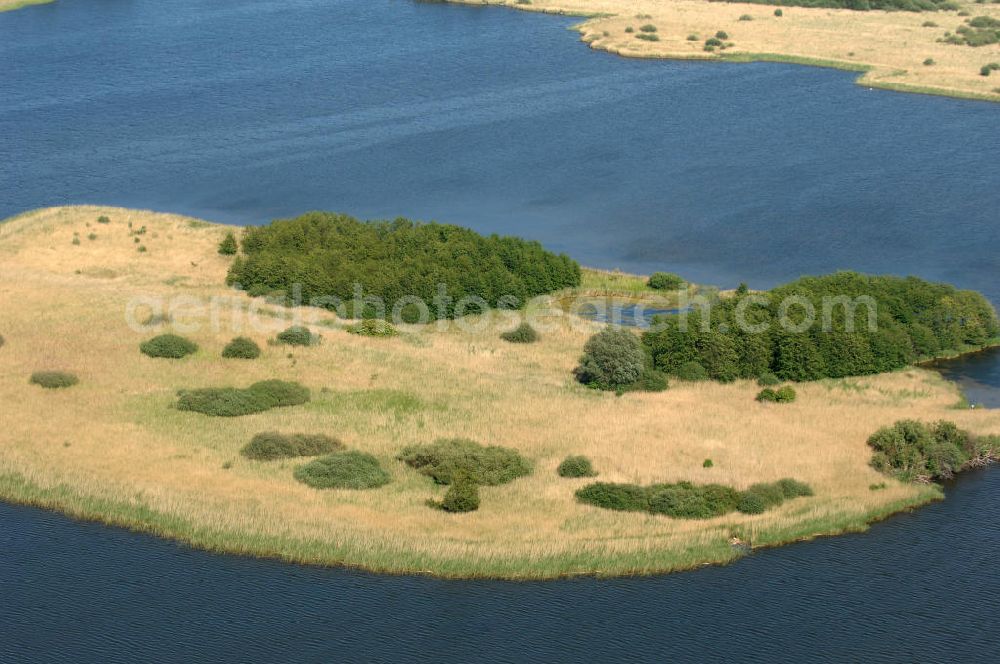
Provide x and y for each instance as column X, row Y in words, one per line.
column 745, row 336
column 328, row 254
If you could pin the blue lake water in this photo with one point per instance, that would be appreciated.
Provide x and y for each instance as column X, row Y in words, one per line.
column 245, row 110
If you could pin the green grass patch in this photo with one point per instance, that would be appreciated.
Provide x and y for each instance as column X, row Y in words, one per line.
column 344, row 470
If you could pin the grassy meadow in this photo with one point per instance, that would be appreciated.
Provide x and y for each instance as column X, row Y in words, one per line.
column 10, row 5
column 112, row 448
column 896, row 50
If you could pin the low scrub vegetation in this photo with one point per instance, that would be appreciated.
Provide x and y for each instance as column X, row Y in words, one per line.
column 978, row 31
column 446, row 459
column 327, row 254
column 914, row 451
column 462, row 496
column 234, row 402
column 241, row 348
column 784, row 394
column 297, row 335
column 271, row 445
column 344, row 470
column 522, row 334
column 372, row 327
column 576, row 466
column 171, row 346
column 893, row 323
column 685, row 500
column 53, row 380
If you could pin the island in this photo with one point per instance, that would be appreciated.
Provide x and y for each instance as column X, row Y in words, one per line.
column 157, row 375
column 940, row 47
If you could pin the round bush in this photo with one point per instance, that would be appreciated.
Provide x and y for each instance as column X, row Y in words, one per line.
column 781, row 395
column 53, row 380
column 446, row 459
column 576, row 466
column 297, row 335
column 652, row 380
column 170, row 346
column 271, row 445
column 522, row 334
column 241, row 348
column 770, row 495
column 722, row 34
column 462, row 496
column 344, row 470
column 779, row 13
column 793, row 488
column 687, row 501
column 665, row 281
column 691, row 371
column 612, row 359
column 707, row 463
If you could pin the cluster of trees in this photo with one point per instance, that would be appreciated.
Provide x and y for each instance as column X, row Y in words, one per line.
column 916, row 451
column 328, row 254
column 860, row 325
column 865, row 5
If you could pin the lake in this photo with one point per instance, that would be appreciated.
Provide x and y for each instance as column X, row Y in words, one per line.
column 243, row 111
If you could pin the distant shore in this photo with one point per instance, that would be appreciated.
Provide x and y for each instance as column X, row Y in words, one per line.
column 11, row 5
column 900, row 51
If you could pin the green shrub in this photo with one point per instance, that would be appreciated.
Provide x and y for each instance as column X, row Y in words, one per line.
column 271, row 445
column 693, row 38
column 691, row 371
column 746, row 17
column 297, row 335
column 142, row 249
column 781, row 395
column 651, row 380
column 630, row 29
column 462, row 496
column 751, row 503
column 2, row 341
column 522, row 334
column 648, row 36
column 929, row 24
column 713, row 42
column 234, row 402
column 103, row 220
column 915, row 451
column 707, row 463
column 576, row 466
column 612, row 359
column 170, row 346
column 613, row 496
column 929, row 62
column 92, row 236
column 372, row 327
column 343, row 470
column 779, row 13
column 391, row 260
column 446, row 459
column 721, row 34
column 228, row 246
column 53, row 380
column 665, row 281
column 768, row 379
column 793, row 488
column 688, row 501
column 241, row 348
column 76, row 240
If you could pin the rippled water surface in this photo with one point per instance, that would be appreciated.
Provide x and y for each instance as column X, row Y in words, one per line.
column 244, row 110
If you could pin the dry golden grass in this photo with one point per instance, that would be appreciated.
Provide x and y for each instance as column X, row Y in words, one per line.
column 112, row 448
column 891, row 45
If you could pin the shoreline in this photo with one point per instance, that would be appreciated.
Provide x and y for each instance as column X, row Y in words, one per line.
column 16, row 490
column 599, row 30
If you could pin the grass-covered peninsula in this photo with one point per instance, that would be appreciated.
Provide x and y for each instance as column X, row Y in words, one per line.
column 10, row 5
column 906, row 45
column 442, row 448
